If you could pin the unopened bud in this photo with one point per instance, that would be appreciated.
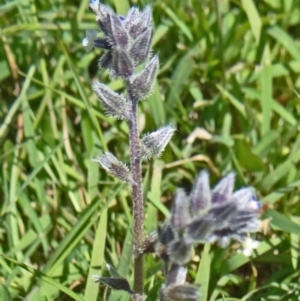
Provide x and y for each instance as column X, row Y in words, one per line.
column 118, row 35
column 222, row 214
column 140, row 49
column 113, row 103
column 200, row 229
column 180, row 251
column 180, row 216
column 103, row 14
column 122, row 65
column 137, row 22
column 200, row 196
column 223, row 190
column 115, row 167
column 141, row 84
column 153, row 144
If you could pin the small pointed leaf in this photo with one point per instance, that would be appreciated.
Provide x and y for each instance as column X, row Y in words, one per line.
column 115, row 283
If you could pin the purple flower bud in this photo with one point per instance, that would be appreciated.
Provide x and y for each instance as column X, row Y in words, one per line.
column 140, row 49
column 165, row 234
column 229, row 216
column 153, row 144
column 201, row 194
column 179, row 250
column 115, row 167
column 103, row 14
column 137, row 22
column 180, row 216
column 223, row 190
column 141, row 84
column 200, row 229
column 113, row 103
column 245, row 198
column 118, row 36
column 122, row 65
column 222, row 214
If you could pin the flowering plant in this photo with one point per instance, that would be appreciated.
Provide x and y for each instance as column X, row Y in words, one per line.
column 205, row 215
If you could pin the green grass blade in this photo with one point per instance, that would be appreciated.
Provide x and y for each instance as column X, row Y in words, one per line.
column 285, row 40
column 283, row 223
column 253, row 17
column 203, row 273
column 46, row 279
column 266, row 95
column 97, row 259
column 122, row 7
column 18, row 102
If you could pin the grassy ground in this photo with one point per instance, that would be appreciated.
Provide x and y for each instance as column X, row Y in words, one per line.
column 227, row 68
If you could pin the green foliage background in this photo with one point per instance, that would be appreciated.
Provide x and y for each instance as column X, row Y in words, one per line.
column 227, row 68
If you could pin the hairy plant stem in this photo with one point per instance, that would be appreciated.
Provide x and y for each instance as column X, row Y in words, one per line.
column 137, row 192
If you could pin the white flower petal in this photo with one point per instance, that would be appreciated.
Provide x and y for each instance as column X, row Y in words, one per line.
column 89, row 40
column 85, row 42
column 91, row 34
column 247, row 252
column 248, row 246
column 89, row 47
